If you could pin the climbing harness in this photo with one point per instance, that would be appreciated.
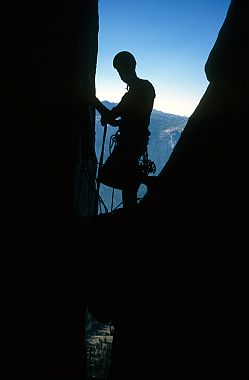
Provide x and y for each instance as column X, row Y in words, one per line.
column 145, row 166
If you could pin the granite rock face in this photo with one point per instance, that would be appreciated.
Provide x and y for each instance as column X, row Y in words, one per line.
column 200, row 204
column 49, row 52
column 49, row 63
column 177, row 266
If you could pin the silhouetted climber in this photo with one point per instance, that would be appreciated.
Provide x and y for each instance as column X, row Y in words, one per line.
column 132, row 117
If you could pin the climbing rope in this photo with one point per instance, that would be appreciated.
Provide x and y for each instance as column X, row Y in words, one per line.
column 112, row 145
column 98, row 198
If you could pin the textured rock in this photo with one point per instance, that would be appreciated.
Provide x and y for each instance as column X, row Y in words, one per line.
column 191, row 288
column 49, row 51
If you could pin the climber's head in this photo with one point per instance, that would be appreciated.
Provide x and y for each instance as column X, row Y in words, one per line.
column 124, row 62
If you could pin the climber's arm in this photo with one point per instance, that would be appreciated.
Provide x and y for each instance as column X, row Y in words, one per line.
column 107, row 116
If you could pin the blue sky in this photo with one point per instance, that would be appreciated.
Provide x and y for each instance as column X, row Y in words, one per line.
column 171, row 41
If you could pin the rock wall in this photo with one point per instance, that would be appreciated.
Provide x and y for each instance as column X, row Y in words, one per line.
column 191, row 288
column 49, row 65
column 49, row 53
column 199, row 205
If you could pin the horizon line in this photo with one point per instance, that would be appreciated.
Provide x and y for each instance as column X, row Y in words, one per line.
column 153, row 109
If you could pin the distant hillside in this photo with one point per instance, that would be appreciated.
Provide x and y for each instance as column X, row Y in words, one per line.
column 165, row 131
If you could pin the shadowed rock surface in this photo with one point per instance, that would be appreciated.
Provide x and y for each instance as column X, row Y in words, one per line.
column 189, row 278
column 49, row 52
column 178, row 264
